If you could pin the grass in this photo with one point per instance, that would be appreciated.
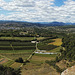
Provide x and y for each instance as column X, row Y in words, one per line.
column 24, row 47
column 36, row 62
column 57, row 42
column 56, row 50
column 5, row 46
column 16, row 65
column 13, row 55
column 16, row 51
column 17, row 38
column 40, row 38
column 8, row 63
column 16, row 56
column 46, row 55
column 3, row 42
column 1, row 57
column 41, row 58
column 23, row 44
column 11, row 63
column 38, row 69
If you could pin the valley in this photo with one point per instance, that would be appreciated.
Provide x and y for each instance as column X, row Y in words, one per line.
column 36, row 49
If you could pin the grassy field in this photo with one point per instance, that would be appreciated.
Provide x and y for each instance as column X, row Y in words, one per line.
column 14, row 56
column 17, row 38
column 16, row 51
column 56, row 50
column 45, row 55
column 57, row 42
column 35, row 69
column 16, row 65
column 22, row 38
column 38, row 66
column 40, row 38
column 41, row 58
column 8, row 63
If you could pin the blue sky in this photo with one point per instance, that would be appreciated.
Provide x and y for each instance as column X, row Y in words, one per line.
column 38, row 10
column 59, row 2
column 8, row 0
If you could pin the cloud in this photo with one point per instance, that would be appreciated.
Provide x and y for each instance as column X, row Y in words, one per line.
column 2, row 3
column 2, row 17
column 38, row 10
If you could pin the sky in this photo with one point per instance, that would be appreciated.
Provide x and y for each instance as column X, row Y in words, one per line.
column 38, row 10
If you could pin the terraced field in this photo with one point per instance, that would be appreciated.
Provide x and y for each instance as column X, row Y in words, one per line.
column 12, row 50
column 9, row 63
column 16, row 49
column 17, row 38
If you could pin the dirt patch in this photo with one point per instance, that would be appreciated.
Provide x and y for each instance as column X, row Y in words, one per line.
column 3, row 60
column 62, row 64
column 44, row 69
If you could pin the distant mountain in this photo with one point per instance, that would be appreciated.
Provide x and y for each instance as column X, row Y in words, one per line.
column 22, row 23
column 57, row 23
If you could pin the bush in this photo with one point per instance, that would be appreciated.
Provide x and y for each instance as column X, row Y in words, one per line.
column 9, row 71
column 20, row 60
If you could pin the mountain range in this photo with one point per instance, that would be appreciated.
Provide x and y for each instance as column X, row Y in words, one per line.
column 5, row 22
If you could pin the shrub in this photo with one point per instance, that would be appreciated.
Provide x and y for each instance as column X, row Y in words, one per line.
column 20, row 60
column 9, row 71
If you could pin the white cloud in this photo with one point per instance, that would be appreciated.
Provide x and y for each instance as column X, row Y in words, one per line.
column 38, row 10
column 2, row 17
column 2, row 3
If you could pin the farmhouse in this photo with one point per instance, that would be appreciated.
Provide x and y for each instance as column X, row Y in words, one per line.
column 33, row 41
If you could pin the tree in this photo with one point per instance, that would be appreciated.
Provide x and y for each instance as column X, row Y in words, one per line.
column 20, row 60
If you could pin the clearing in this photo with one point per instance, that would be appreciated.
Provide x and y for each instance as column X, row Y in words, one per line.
column 57, row 42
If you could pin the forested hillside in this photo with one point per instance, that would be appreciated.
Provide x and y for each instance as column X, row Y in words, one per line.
column 69, row 45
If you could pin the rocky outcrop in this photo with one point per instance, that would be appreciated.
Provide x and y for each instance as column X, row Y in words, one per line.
column 69, row 71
